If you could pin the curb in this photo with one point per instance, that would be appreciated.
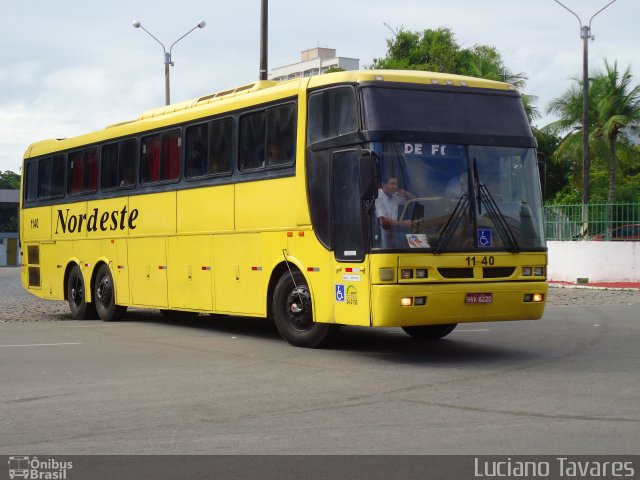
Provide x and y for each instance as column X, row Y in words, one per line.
column 631, row 288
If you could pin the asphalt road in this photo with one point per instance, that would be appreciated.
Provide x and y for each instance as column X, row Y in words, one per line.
column 566, row 384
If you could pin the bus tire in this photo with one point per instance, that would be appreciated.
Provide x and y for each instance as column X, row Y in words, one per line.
column 80, row 308
column 430, row 332
column 104, row 295
column 293, row 313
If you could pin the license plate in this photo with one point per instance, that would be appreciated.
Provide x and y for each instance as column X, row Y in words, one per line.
column 476, row 298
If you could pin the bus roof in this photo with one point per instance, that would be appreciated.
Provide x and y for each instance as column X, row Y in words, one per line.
column 251, row 94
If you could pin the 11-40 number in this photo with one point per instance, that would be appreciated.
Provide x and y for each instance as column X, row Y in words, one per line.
column 473, row 261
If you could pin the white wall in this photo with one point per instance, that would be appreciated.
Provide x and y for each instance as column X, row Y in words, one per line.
column 597, row 261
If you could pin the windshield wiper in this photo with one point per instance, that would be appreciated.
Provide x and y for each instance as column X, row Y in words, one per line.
column 483, row 196
column 452, row 223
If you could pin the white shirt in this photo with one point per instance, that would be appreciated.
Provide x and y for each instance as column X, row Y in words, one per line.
column 387, row 206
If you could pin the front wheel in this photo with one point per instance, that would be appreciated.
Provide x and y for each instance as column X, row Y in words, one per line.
column 430, row 332
column 80, row 308
column 293, row 313
column 105, row 296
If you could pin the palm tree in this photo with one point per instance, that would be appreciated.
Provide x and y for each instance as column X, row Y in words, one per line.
column 617, row 109
column 613, row 107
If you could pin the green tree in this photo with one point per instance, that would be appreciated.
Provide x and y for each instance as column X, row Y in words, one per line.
column 617, row 109
column 438, row 51
column 9, row 180
column 432, row 50
column 614, row 110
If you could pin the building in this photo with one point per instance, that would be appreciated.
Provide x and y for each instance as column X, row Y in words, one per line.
column 312, row 62
column 9, row 241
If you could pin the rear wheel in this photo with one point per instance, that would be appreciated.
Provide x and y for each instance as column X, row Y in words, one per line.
column 104, row 295
column 80, row 308
column 430, row 332
column 293, row 313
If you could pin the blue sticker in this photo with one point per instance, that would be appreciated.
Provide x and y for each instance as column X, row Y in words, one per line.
column 484, row 237
column 339, row 293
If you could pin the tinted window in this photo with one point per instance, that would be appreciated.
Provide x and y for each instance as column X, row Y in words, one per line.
column 209, row 148
column 51, row 174
column 466, row 112
column 252, row 141
column 118, row 164
column 83, row 171
column 268, row 138
column 31, row 181
column 331, row 113
column 160, row 157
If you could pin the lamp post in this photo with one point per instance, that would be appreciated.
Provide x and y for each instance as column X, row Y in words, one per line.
column 167, row 55
column 585, row 34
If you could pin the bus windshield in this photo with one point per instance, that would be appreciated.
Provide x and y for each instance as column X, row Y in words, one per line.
column 447, row 197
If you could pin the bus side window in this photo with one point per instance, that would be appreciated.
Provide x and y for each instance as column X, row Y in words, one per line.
column 332, row 113
column 221, row 147
column 252, row 141
column 127, row 152
column 31, row 181
column 76, row 172
column 171, row 155
column 150, row 168
column 281, row 135
column 51, row 175
column 109, row 160
column 196, row 153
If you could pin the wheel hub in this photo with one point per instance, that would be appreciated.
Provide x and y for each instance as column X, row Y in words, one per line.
column 299, row 307
column 103, row 291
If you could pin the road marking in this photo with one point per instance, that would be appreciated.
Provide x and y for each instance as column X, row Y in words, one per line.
column 476, row 330
column 40, row 345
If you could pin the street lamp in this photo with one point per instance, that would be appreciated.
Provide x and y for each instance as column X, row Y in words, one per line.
column 167, row 55
column 585, row 34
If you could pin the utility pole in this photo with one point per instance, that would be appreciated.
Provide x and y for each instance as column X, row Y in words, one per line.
column 264, row 39
column 585, row 34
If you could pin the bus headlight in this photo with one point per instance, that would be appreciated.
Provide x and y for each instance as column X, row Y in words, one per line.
column 406, row 273
column 526, row 271
column 387, row 275
column 538, row 271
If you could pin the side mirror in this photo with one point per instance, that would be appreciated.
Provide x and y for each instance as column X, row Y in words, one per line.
column 368, row 176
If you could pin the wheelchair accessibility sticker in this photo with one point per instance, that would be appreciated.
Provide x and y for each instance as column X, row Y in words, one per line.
column 350, row 296
column 484, row 237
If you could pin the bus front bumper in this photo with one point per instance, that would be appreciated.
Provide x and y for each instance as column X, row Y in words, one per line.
column 401, row 305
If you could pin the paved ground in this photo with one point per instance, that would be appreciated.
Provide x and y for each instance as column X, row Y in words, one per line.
column 560, row 385
column 17, row 305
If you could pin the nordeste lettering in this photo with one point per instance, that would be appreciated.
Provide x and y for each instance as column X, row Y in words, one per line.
column 96, row 221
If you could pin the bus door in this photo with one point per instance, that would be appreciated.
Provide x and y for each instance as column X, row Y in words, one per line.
column 351, row 295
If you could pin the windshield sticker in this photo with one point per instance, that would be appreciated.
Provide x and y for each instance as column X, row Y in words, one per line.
column 417, row 240
column 350, row 253
column 484, row 237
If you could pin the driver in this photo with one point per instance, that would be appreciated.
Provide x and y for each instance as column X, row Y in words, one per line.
column 387, row 204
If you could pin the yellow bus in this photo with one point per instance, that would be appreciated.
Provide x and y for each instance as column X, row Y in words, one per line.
column 371, row 198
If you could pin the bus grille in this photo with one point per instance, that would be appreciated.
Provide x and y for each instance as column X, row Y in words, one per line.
column 456, row 272
column 497, row 272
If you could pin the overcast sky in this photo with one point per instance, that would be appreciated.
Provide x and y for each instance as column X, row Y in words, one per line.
column 72, row 66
